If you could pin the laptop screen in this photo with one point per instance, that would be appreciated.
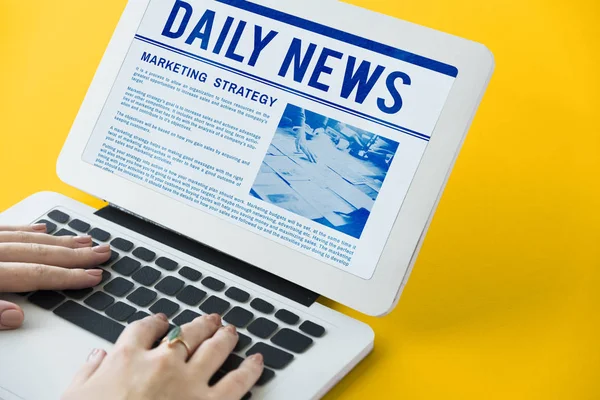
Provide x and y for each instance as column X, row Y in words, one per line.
column 304, row 134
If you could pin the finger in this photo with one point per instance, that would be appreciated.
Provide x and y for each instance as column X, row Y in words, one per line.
column 11, row 316
column 145, row 332
column 40, row 228
column 194, row 334
column 54, row 255
column 20, row 277
column 309, row 154
column 238, row 382
column 91, row 365
column 214, row 351
column 72, row 242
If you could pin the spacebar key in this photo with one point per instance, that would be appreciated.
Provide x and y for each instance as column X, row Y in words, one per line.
column 90, row 320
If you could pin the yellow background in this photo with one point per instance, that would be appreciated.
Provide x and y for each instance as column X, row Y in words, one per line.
column 504, row 302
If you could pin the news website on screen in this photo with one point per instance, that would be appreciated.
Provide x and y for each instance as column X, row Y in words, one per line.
column 305, row 134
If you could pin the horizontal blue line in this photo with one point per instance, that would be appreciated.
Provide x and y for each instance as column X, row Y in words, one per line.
column 346, row 37
column 284, row 88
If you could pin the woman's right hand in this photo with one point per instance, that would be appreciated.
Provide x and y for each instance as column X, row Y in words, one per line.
column 136, row 371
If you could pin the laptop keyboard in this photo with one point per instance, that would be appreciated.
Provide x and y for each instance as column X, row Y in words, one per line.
column 134, row 286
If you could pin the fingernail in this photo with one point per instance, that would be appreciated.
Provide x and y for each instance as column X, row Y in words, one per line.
column 162, row 316
column 11, row 318
column 92, row 354
column 82, row 239
column 216, row 318
column 231, row 329
column 96, row 354
column 39, row 227
column 94, row 272
column 104, row 248
column 257, row 358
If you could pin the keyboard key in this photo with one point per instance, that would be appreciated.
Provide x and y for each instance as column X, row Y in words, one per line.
column 243, row 342
column 50, row 226
column 292, row 340
column 120, row 311
column 231, row 363
column 262, row 306
column 146, row 276
column 165, row 306
column 142, row 297
column 126, row 266
column 99, row 234
column 213, row 284
column 46, row 299
column 237, row 294
column 89, row 320
column 58, row 216
column 217, row 376
column 122, row 244
column 262, row 327
column 78, row 294
column 191, row 295
column 287, row 317
column 169, row 286
column 274, row 357
column 234, row 361
column 113, row 256
column 118, row 287
column 166, row 263
column 99, row 301
column 105, row 276
column 185, row 317
column 239, row 317
column 144, row 254
column 265, row 377
column 65, row 232
column 137, row 316
column 312, row 329
column 214, row 305
column 79, row 225
column 190, row 274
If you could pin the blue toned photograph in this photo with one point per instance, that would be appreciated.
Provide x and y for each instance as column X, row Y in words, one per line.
column 324, row 170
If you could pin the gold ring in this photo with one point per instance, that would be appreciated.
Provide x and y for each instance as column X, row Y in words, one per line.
column 175, row 336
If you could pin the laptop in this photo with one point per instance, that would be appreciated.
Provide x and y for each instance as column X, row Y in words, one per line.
column 254, row 157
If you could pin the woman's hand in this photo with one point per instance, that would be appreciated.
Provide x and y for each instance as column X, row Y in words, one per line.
column 32, row 260
column 135, row 371
column 302, row 145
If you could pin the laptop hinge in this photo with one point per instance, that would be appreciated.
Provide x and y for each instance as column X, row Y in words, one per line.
column 208, row 254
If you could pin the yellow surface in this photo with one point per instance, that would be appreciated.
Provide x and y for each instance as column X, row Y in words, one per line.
column 504, row 301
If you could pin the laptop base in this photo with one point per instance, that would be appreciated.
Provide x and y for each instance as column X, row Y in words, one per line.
column 39, row 360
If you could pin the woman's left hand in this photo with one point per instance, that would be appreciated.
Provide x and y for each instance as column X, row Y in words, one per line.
column 32, row 260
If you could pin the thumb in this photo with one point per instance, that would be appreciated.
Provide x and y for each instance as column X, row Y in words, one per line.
column 11, row 316
column 91, row 365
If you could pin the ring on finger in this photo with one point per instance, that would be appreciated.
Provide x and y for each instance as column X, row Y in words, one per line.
column 174, row 337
